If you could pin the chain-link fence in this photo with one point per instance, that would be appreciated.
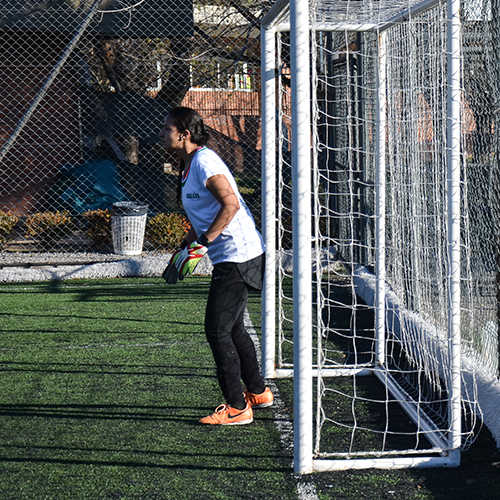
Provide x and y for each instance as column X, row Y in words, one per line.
column 85, row 86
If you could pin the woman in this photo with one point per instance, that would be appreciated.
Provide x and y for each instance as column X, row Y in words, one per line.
column 222, row 226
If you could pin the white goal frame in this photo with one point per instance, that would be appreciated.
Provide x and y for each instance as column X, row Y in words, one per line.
column 292, row 16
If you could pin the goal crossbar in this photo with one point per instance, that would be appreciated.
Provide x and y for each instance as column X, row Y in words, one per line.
column 278, row 20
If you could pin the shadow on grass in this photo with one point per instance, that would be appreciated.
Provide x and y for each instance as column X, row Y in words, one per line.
column 107, row 369
column 136, row 464
column 115, row 289
column 99, row 412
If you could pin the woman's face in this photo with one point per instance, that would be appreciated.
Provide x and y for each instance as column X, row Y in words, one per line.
column 171, row 138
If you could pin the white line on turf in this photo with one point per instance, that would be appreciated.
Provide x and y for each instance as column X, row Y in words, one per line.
column 85, row 286
column 98, row 346
column 305, row 489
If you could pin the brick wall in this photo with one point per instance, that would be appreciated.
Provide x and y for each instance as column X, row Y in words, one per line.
column 234, row 117
column 51, row 136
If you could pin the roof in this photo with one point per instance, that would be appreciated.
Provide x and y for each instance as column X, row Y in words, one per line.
column 149, row 18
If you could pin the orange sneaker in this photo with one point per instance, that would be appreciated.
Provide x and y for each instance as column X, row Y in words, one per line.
column 227, row 415
column 259, row 400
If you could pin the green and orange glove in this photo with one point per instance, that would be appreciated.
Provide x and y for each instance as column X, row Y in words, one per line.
column 187, row 259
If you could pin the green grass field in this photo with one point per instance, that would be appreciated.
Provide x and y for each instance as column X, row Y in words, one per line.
column 102, row 383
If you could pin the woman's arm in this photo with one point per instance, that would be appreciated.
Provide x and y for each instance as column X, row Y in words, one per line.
column 219, row 186
column 190, row 236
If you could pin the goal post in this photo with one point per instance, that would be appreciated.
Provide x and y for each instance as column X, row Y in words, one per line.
column 301, row 224
column 268, row 91
column 380, row 196
column 453, row 145
column 368, row 133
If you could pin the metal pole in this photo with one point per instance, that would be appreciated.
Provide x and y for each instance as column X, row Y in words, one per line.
column 301, row 223
column 380, row 202
column 453, row 194
column 268, row 96
column 50, row 79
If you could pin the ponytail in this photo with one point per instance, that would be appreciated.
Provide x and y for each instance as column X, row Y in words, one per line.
column 179, row 181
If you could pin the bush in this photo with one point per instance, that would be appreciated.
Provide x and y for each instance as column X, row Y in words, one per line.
column 167, row 230
column 49, row 226
column 7, row 223
column 98, row 227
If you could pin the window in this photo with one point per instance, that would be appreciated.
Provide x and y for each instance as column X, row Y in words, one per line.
column 220, row 75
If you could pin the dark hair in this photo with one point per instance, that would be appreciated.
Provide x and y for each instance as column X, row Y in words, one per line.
column 188, row 119
column 178, row 190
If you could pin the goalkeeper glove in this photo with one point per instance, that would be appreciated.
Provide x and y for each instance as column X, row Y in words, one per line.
column 171, row 275
column 186, row 261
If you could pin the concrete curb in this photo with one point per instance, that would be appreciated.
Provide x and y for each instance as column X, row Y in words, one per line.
column 143, row 267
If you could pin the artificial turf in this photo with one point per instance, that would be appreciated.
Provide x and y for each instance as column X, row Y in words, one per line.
column 102, row 383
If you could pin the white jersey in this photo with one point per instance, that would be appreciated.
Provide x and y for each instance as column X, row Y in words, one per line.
column 240, row 241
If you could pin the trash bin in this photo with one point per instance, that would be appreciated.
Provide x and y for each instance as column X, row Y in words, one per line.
column 128, row 225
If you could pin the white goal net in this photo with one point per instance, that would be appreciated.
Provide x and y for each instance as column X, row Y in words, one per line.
column 402, row 240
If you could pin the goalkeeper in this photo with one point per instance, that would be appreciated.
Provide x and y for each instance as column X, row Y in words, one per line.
column 222, row 226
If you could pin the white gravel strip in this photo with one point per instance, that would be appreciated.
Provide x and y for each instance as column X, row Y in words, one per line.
column 45, row 267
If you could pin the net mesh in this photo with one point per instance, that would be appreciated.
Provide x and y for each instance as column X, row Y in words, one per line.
column 354, row 416
column 85, row 87
column 480, row 147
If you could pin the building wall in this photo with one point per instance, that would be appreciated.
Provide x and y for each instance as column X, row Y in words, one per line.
column 235, row 120
column 51, row 137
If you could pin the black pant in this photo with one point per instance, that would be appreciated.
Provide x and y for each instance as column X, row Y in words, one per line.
column 232, row 347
